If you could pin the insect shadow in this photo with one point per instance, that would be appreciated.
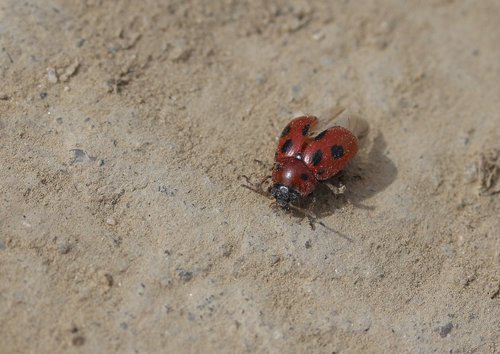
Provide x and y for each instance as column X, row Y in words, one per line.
column 368, row 174
column 365, row 176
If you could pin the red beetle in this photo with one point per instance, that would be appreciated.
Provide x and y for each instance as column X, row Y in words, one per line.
column 301, row 161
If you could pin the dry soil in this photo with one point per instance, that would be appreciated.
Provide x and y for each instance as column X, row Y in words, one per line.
column 124, row 128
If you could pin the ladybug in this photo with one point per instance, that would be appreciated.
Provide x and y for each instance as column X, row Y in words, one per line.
column 302, row 161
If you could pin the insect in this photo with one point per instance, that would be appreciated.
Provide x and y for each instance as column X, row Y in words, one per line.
column 302, row 160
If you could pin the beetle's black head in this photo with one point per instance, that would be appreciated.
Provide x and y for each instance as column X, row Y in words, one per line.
column 284, row 195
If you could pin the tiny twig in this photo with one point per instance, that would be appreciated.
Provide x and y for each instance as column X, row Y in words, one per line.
column 8, row 55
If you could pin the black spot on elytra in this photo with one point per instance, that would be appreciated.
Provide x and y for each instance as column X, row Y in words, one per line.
column 320, row 135
column 305, row 130
column 286, row 146
column 304, row 177
column 318, row 155
column 337, row 151
column 320, row 172
column 286, row 131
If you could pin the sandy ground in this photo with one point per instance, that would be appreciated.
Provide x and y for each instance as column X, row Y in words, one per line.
column 124, row 126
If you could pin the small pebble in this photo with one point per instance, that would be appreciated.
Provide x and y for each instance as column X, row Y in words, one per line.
column 52, row 76
column 184, row 275
column 470, row 172
column 79, row 156
column 64, row 248
column 111, row 221
column 78, row 341
column 445, row 330
column 317, row 36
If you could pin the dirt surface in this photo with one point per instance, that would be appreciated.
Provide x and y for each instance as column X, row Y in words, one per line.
column 124, row 126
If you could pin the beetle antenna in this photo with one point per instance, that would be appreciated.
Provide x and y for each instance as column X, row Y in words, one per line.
column 257, row 188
